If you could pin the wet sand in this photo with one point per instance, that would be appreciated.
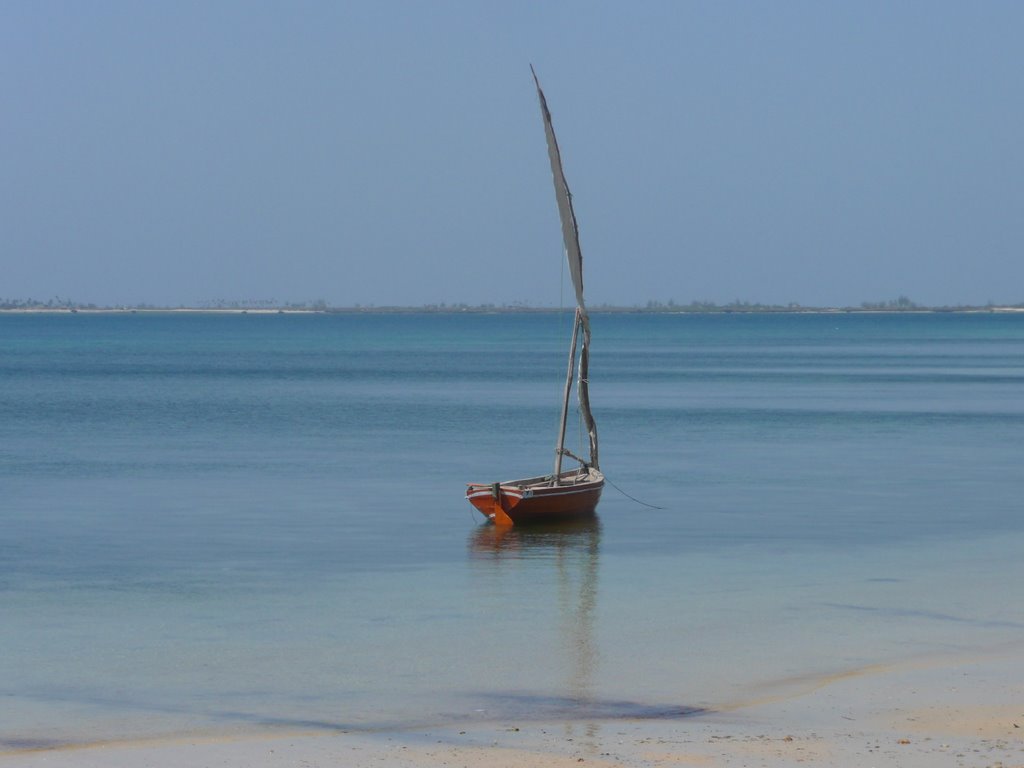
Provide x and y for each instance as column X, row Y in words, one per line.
column 934, row 712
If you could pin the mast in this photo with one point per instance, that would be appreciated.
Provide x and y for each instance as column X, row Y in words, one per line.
column 584, row 390
column 574, row 256
column 560, row 447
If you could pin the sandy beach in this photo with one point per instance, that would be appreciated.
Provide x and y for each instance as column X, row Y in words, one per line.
column 933, row 712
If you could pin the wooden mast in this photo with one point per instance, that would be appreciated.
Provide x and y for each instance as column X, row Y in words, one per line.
column 560, row 447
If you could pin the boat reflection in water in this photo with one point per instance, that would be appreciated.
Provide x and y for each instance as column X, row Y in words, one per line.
column 548, row 576
column 571, row 538
column 564, row 559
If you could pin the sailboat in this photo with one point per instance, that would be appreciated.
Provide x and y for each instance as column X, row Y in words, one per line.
column 565, row 493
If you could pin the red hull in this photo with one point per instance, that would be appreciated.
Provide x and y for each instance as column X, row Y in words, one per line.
column 535, row 500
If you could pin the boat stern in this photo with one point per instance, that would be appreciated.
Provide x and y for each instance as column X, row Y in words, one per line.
column 494, row 501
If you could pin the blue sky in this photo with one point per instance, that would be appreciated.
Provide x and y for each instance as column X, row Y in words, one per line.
column 392, row 152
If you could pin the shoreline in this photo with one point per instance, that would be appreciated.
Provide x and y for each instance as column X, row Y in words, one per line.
column 964, row 711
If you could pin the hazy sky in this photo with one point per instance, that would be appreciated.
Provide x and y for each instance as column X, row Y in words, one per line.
column 392, row 152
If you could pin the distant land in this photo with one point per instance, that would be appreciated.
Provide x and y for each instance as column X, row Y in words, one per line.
column 270, row 306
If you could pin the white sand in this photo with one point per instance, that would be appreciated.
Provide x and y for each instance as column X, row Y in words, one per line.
column 944, row 712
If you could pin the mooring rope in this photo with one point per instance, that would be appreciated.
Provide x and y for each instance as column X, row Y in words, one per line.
column 634, row 498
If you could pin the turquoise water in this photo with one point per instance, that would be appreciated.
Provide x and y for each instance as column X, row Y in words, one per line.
column 222, row 522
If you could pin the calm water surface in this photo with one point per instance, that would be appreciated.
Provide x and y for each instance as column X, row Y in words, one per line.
column 211, row 523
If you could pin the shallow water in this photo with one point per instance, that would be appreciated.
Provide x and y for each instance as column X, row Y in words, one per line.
column 217, row 522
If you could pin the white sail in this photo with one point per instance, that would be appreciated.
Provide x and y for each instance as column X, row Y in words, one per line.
column 574, row 256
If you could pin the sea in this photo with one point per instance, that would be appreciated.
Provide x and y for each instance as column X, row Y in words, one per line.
column 233, row 523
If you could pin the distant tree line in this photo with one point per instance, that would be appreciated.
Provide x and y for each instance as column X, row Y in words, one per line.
column 55, row 303
column 902, row 302
column 318, row 304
